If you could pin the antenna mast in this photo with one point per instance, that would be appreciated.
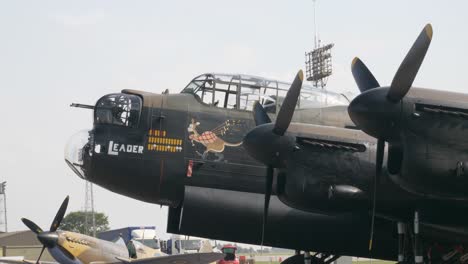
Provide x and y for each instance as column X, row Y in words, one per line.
column 315, row 26
column 318, row 61
column 89, row 208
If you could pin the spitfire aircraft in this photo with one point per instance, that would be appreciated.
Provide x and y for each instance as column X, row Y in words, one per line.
column 314, row 183
column 73, row 248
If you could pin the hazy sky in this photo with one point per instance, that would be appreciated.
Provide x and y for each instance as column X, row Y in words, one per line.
column 53, row 53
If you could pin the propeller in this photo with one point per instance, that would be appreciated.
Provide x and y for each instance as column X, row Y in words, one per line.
column 409, row 68
column 266, row 206
column 283, row 119
column 364, row 78
column 378, row 170
column 267, row 142
column 32, row 226
column 49, row 238
column 59, row 216
column 260, row 115
column 377, row 110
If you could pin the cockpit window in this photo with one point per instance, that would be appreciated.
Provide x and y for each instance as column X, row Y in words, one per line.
column 118, row 109
column 203, row 87
column 241, row 92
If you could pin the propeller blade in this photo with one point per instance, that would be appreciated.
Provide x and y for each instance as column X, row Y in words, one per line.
column 283, row 119
column 59, row 216
column 40, row 255
column 363, row 76
column 32, row 226
column 380, row 156
column 378, row 170
column 408, row 69
column 260, row 115
column 268, row 189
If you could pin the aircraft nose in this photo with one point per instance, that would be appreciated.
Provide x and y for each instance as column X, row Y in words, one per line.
column 48, row 239
column 77, row 148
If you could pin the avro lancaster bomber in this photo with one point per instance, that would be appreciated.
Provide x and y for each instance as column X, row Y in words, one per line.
column 338, row 169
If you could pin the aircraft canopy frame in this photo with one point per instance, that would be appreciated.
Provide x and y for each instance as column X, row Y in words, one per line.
column 238, row 91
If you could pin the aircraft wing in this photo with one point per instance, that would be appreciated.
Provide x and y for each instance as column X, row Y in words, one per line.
column 40, row 262
column 193, row 258
column 21, row 260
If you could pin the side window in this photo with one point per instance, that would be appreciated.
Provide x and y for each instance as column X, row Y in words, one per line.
column 248, row 96
column 215, row 91
column 207, row 92
column 231, row 102
column 118, row 109
column 281, row 96
column 268, row 99
column 202, row 88
column 225, row 94
column 220, row 94
column 312, row 99
column 233, row 89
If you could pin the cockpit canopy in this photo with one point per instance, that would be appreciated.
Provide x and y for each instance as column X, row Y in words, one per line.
column 241, row 91
column 118, row 109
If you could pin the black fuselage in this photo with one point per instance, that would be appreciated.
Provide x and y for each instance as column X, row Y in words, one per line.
column 177, row 151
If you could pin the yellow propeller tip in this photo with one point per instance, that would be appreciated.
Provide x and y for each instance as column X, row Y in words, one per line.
column 428, row 30
column 301, row 75
column 354, row 61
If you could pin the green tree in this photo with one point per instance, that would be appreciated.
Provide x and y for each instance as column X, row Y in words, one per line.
column 76, row 222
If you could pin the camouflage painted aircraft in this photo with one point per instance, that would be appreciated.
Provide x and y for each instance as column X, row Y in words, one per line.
column 74, row 248
column 189, row 151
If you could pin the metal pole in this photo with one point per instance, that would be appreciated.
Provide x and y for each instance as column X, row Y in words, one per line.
column 315, row 29
column 93, row 219
column 401, row 242
column 418, row 256
column 5, row 204
column 307, row 257
column 3, row 191
column 86, row 209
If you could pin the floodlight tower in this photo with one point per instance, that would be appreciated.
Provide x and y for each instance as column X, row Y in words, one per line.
column 318, row 61
column 3, row 210
column 89, row 208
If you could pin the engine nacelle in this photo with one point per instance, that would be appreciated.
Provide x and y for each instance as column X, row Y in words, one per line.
column 433, row 168
column 326, row 180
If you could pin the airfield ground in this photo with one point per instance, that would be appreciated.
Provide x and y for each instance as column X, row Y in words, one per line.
column 354, row 262
column 269, row 258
